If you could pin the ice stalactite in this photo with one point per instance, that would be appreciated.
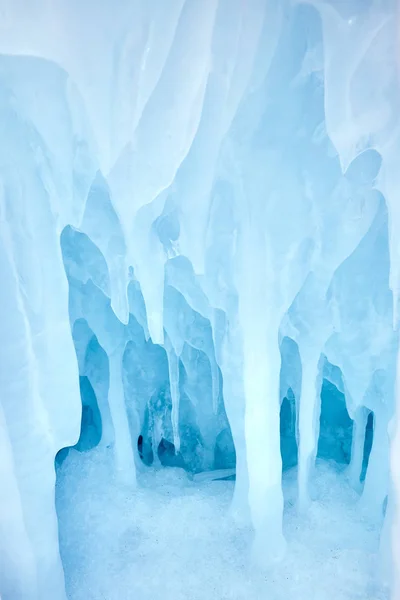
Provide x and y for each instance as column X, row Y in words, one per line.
column 261, row 368
column 359, row 115
column 309, row 415
column 38, row 362
column 358, row 443
column 356, row 119
column 148, row 257
column 101, row 224
column 290, row 389
column 376, row 485
column 222, row 179
column 264, row 462
column 173, row 368
column 231, row 367
column 198, row 387
column 389, row 184
column 369, row 380
column 88, row 302
column 122, row 444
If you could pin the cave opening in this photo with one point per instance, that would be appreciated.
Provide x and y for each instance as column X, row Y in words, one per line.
column 336, row 426
column 157, row 420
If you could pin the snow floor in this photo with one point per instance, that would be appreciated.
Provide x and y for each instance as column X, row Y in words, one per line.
column 173, row 539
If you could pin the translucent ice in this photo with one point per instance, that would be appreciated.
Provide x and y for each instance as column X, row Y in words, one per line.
column 200, row 269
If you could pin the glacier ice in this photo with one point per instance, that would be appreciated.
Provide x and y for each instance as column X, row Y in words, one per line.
column 200, row 277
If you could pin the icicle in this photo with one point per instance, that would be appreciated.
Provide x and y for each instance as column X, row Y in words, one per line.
column 388, row 183
column 357, row 449
column 264, row 464
column 107, row 429
column 122, row 443
column 377, row 477
column 215, row 383
column 309, row 411
column 173, row 369
column 156, row 436
column 101, row 223
column 229, row 353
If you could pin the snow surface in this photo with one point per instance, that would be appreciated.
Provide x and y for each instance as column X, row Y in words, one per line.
column 175, row 539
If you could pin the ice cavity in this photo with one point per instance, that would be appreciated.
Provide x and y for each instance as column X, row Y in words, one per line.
column 218, row 182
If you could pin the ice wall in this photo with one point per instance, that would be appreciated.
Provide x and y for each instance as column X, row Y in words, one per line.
column 213, row 177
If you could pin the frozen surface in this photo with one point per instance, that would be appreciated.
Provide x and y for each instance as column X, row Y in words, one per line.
column 199, row 269
column 175, row 539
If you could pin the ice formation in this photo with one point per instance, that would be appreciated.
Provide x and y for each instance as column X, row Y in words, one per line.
column 199, row 223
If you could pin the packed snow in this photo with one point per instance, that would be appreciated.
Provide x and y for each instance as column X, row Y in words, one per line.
column 175, row 538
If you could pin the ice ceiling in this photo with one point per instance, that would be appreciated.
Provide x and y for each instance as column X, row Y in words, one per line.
column 199, row 215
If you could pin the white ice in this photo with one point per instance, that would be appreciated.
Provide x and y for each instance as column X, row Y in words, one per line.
column 176, row 539
column 200, row 270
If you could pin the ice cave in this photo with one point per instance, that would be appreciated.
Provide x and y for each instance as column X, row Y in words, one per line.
column 200, row 298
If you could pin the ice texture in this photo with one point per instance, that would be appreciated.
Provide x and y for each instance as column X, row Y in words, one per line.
column 200, row 262
column 188, row 545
